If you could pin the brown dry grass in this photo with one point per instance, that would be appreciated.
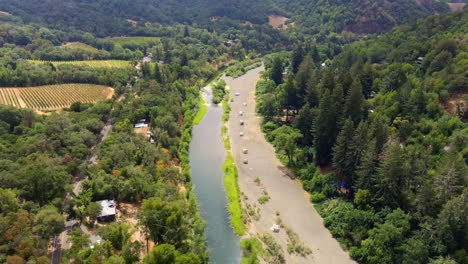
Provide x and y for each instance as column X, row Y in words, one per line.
column 278, row 21
column 456, row 6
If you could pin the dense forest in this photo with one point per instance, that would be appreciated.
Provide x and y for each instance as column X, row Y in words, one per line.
column 372, row 125
column 368, row 137
column 125, row 17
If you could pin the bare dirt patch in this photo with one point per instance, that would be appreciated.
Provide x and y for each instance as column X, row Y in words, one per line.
column 5, row 13
column 457, row 105
column 128, row 214
column 141, row 130
column 111, row 93
column 278, row 21
column 454, row 7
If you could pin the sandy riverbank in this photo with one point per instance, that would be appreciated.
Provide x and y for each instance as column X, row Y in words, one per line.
column 287, row 196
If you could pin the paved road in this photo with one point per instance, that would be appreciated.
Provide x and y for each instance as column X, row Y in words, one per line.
column 287, row 195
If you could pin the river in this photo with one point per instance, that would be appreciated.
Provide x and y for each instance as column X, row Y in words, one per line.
column 207, row 156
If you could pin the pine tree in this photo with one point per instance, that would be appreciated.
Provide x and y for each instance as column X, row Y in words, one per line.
column 276, row 73
column 296, row 58
column 304, row 123
column 367, row 79
column 379, row 131
column 315, row 54
column 366, row 168
column 302, row 77
column 328, row 81
column 325, row 129
column 354, row 107
column 311, row 96
column 389, row 181
column 342, row 156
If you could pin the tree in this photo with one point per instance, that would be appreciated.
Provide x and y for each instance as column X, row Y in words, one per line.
column 285, row 139
column 389, row 181
column 342, row 156
column 354, row 106
column 161, row 254
column 92, row 211
column 8, row 201
column 276, row 73
column 452, row 222
column 302, row 77
column 384, row 240
column 451, row 178
column 325, row 129
column 304, row 123
column 49, row 222
column 296, row 58
column 165, row 221
column 117, row 233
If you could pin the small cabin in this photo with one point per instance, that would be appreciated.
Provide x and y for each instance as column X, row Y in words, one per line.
column 108, row 211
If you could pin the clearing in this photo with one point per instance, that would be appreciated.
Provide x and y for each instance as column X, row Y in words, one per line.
column 89, row 63
column 140, row 40
column 454, row 7
column 278, row 21
column 79, row 45
column 54, row 97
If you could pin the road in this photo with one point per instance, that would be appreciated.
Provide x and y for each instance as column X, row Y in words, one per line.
column 286, row 195
column 61, row 242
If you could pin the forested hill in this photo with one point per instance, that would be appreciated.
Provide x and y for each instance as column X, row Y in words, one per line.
column 119, row 16
column 359, row 16
column 104, row 17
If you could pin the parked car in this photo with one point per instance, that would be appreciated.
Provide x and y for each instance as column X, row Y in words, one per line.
column 241, row 122
column 237, row 94
column 241, row 134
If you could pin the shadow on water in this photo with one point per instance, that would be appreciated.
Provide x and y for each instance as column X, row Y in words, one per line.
column 207, row 156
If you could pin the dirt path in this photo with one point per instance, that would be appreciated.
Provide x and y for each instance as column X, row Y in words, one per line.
column 286, row 196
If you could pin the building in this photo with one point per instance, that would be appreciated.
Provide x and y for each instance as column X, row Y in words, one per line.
column 107, row 212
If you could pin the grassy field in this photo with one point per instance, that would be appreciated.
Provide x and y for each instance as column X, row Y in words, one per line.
column 52, row 97
column 90, row 63
column 139, row 40
column 79, row 45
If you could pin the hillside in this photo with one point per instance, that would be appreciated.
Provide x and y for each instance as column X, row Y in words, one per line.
column 361, row 16
column 125, row 16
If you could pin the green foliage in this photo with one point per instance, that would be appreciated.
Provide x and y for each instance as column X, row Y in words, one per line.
column 219, row 91
column 263, row 199
column 233, row 194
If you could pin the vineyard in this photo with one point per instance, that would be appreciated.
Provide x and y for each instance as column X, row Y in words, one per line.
column 90, row 63
column 52, row 97
column 139, row 40
column 79, row 45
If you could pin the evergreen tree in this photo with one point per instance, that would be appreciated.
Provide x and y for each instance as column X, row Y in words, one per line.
column 379, row 131
column 328, row 81
column 354, row 106
column 390, row 176
column 367, row 79
column 366, row 168
column 304, row 123
column 302, row 78
column 296, row 58
column 342, row 156
column 315, row 54
column 311, row 96
column 325, row 129
column 276, row 73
